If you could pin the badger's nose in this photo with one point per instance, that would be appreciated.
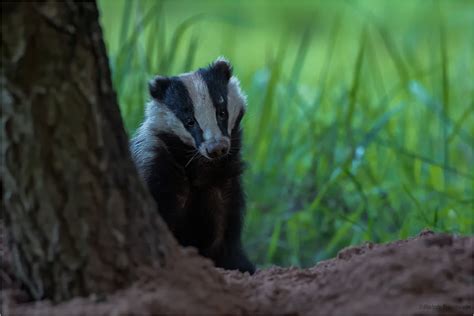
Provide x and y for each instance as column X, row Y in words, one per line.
column 217, row 148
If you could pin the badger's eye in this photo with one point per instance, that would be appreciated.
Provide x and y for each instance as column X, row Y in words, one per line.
column 222, row 113
column 221, row 100
column 190, row 123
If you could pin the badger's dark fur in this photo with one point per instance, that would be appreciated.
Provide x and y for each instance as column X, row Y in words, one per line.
column 188, row 152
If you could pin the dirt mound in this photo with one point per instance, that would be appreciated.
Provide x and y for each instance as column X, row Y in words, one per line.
column 429, row 274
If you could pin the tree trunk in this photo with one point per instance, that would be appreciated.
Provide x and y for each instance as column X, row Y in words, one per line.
column 79, row 220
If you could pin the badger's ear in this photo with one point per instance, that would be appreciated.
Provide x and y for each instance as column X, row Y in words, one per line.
column 222, row 67
column 158, row 86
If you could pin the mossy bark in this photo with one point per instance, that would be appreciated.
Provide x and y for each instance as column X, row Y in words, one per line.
column 79, row 220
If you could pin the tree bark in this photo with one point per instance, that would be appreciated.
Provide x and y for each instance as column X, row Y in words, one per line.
column 79, row 220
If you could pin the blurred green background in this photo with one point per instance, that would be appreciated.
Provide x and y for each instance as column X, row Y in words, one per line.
column 360, row 124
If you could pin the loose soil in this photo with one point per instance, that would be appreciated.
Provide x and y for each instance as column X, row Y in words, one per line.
column 431, row 274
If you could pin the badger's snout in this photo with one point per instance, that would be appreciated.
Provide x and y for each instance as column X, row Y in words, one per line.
column 217, row 148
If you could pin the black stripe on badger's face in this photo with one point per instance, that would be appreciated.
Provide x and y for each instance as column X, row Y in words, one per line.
column 177, row 99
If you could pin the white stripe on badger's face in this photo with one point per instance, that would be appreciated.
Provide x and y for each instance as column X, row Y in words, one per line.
column 204, row 110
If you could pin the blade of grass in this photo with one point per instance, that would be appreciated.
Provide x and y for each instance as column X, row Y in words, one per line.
column 299, row 62
column 401, row 150
column 377, row 76
column 268, row 103
column 155, row 40
column 190, row 53
column 355, row 88
column 445, row 98
column 176, row 40
column 343, row 231
column 421, row 93
column 387, row 40
column 336, row 26
column 161, row 43
column 274, row 239
column 125, row 21
column 460, row 122
column 417, row 204
column 126, row 52
column 294, row 242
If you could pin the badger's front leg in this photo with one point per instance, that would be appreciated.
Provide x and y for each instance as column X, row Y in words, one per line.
column 233, row 257
column 229, row 254
column 170, row 188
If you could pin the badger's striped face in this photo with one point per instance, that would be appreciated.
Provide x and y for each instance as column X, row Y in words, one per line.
column 202, row 108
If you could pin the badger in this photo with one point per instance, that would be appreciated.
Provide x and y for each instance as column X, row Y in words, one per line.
column 188, row 152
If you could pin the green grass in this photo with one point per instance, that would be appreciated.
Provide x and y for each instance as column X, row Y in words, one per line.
column 360, row 125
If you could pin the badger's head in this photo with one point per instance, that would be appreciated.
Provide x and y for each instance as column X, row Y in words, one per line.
column 202, row 108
